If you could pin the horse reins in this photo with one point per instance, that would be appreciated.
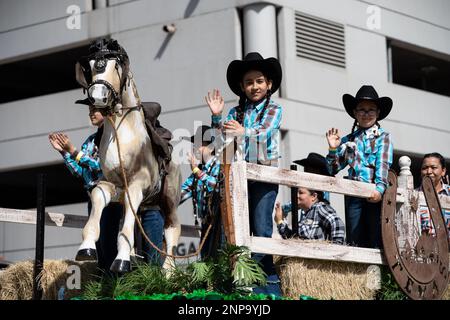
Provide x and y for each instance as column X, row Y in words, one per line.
column 124, row 176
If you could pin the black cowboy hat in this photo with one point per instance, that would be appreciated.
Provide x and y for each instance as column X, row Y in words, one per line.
column 367, row 93
column 86, row 101
column 270, row 67
column 204, row 134
column 315, row 160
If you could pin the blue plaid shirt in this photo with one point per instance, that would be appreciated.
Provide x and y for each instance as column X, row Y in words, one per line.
column 88, row 166
column 204, row 182
column 369, row 156
column 261, row 140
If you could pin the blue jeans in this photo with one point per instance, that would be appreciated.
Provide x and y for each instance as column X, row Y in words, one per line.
column 109, row 229
column 153, row 224
column 362, row 222
column 261, row 200
column 215, row 240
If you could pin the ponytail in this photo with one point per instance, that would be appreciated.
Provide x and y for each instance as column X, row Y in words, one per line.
column 240, row 109
column 260, row 115
column 355, row 124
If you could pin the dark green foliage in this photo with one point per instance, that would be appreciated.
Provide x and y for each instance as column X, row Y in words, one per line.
column 231, row 272
column 389, row 287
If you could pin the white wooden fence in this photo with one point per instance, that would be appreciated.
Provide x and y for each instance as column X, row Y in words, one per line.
column 242, row 171
column 68, row 220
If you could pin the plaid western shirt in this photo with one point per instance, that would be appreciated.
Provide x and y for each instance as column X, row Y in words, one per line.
column 320, row 222
column 369, row 156
column 261, row 139
column 88, row 166
column 204, row 182
column 426, row 223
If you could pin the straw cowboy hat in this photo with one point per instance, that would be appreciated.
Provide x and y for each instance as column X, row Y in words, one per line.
column 270, row 67
column 367, row 93
column 315, row 160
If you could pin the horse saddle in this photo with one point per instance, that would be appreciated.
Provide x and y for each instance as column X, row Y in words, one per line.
column 159, row 135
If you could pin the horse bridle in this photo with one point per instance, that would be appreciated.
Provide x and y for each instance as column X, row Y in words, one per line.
column 101, row 59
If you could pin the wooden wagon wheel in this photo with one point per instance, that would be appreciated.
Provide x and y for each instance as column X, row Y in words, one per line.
column 420, row 268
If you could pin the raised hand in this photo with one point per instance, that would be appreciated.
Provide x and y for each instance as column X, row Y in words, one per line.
column 65, row 142
column 193, row 161
column 333, row 138
column 215, row 102
column 278, row 213
column 54, row 142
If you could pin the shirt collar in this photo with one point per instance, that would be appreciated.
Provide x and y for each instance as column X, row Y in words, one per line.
column 257, row 105
column 372, row 132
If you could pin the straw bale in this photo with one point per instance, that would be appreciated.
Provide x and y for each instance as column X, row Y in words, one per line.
column 16, row 281
column 327, row 279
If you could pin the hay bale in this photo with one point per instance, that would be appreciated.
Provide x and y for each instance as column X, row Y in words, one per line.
column 16, row 281
column 326, row 279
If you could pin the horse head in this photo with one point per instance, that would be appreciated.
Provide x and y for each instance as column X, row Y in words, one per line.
column 103, row 73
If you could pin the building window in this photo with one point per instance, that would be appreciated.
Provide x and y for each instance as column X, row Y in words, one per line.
column 46, row 74
column 419, row 68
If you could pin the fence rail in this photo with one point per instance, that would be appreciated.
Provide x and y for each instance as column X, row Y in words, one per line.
column 68, row 220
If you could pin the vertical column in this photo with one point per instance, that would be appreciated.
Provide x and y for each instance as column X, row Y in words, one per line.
column 407, row 216
column 260, row 29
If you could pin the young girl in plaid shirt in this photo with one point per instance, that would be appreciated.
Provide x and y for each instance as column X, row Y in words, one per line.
column 256, row 122
column 368, row 151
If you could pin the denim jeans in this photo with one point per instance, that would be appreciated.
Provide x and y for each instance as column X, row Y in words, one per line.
column 153, row 224
column 261, row 199
column 215, row 240
column 363, row 222
column 109, row 229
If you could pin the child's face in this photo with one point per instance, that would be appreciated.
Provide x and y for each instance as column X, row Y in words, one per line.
column 366, row 113
column 432, row 167
column 96, row 116
column 255, row 85
column 305, row 199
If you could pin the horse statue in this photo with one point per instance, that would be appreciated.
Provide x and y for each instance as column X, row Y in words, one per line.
column 131, row 171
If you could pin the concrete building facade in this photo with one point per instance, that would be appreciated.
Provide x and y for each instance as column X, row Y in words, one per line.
column 326, row 48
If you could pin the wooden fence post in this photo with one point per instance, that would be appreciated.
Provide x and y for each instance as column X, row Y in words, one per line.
column 294, row 204
column 226, row 211
column 407, row 213
column 40, row 229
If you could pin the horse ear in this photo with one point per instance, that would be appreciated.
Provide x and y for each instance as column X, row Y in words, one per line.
column 79, row 76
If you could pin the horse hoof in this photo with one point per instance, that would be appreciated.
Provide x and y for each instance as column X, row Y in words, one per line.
column 120, row 266
column 86, row 255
